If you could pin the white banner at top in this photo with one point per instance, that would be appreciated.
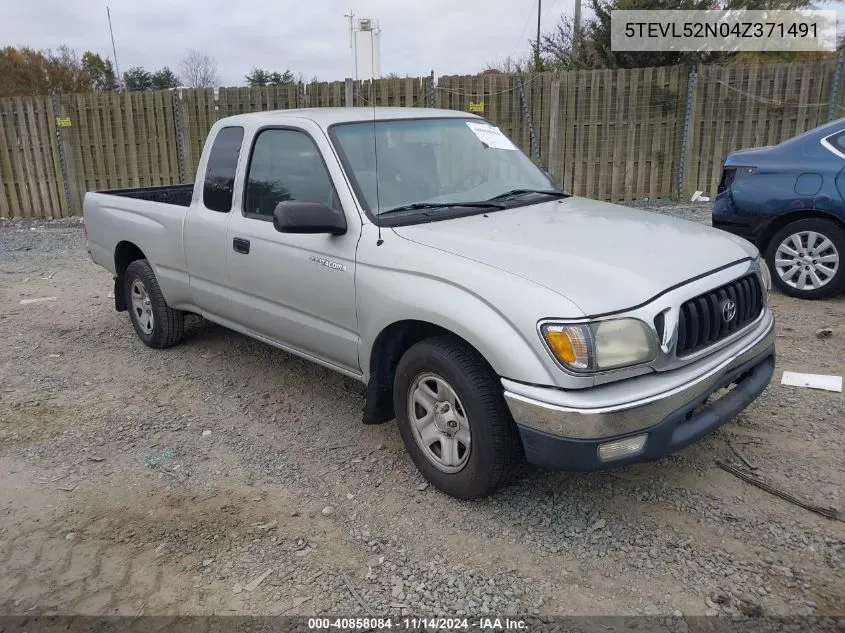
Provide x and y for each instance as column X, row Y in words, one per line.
column 723, row 31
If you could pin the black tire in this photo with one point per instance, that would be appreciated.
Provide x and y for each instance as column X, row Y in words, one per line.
column 830, row 230
column 495, row 447
column 168, row 325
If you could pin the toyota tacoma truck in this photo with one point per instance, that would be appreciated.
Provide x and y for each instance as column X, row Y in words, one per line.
column 494, row 316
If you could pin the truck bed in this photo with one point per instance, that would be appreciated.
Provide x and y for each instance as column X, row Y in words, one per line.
column 149, row 219
column 169, row 194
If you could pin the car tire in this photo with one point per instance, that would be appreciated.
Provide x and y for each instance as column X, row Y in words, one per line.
column 157, row 324
column 818, row 240
column 445, row 379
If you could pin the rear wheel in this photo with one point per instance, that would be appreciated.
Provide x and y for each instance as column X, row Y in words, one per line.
column 156, row 323
column 453, row 419
column 805, row 258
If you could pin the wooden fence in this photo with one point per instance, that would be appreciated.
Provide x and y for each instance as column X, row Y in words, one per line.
column 606, row 134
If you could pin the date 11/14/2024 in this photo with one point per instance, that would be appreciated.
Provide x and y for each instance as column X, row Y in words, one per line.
column 439, row 624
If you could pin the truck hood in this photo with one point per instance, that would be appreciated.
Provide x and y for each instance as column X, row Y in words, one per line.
column 602, row 257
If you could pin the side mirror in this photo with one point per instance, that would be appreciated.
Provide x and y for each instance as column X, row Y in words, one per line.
column 293, row 216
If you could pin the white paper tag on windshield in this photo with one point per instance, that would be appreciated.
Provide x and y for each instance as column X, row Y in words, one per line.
column 490, row 135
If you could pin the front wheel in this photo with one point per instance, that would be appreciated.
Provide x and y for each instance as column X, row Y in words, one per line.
column 453, row 419
column 805, row 258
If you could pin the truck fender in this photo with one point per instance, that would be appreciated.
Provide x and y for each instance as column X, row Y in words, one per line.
column 391, row 322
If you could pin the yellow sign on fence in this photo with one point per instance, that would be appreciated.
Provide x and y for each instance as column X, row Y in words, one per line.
column 63, row 121
column 476, row 106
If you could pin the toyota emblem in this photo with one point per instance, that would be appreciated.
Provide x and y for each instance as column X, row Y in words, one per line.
column 728, row 311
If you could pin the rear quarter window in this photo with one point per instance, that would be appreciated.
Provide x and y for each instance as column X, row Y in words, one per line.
column 838, row 141
column 835, row 143
column 219, row 182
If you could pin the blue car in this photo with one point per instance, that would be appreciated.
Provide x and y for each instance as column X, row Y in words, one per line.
column 789, row 199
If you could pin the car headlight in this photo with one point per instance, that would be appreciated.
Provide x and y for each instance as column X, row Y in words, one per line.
column 586, row 347
column 766, row 274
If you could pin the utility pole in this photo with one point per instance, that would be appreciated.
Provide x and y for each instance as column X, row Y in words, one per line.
column 537, row 61
column 118, row 77
column 576, row 36
column 353, row 45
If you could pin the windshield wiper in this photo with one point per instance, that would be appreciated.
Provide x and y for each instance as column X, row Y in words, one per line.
column 518, row 192
column 418, row 206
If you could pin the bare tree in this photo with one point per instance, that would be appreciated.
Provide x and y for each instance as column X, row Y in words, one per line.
column 508, row 66
column 199, row 70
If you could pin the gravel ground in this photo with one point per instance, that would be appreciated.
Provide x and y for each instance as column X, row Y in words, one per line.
column 223, row 476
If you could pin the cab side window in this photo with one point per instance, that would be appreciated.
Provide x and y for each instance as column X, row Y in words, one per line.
column 219, row 182
column 285, row 165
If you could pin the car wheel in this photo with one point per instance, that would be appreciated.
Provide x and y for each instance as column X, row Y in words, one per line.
column 156, row 323
column 806, row 259
column 453, row 419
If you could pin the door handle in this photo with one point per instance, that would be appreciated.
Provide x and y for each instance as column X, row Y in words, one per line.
column 240, row 245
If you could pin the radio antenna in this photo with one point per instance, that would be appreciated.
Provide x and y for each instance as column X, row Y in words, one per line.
column 379, row 241
column 118, row 77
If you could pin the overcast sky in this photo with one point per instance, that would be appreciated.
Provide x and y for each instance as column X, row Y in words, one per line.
column 309, row 37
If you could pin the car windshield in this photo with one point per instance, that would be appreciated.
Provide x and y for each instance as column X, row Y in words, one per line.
column 431, row 165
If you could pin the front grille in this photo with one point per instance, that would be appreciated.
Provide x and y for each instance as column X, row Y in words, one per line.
column 703, row 319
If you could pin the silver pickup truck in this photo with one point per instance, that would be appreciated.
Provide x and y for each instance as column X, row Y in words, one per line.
column 420, row 252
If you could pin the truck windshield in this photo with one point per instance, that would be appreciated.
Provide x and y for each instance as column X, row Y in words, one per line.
column 431, row 165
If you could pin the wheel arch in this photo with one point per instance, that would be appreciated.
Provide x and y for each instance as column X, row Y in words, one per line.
column 388, row 348
column 787, row 218
column 124, row 254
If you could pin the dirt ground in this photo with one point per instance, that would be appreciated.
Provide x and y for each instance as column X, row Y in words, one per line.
column 226, row 477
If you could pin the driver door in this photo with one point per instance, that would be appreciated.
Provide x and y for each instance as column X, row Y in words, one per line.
column 297, row 290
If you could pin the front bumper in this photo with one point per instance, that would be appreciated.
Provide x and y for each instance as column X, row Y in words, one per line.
column 561, row 437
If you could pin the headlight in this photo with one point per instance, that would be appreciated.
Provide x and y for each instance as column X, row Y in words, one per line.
column 602, row 345
column 766, row 274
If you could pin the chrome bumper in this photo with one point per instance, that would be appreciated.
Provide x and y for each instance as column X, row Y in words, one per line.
column 633, row 404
